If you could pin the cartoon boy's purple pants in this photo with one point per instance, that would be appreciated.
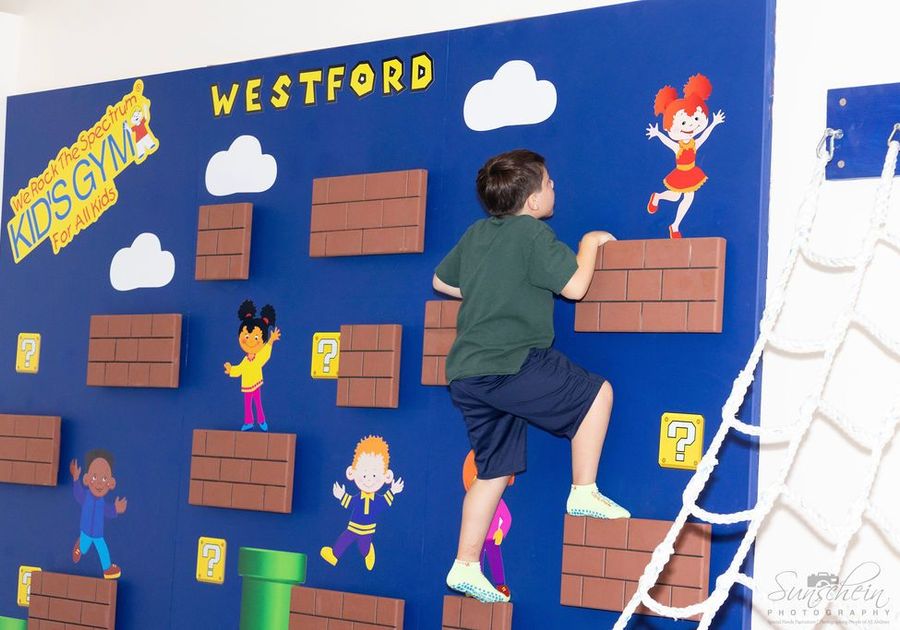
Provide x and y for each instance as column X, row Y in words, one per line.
column 251, row 399
column 346, row 539
column 493, row 558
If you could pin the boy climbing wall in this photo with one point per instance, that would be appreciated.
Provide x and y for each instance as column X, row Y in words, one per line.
column 502, row 370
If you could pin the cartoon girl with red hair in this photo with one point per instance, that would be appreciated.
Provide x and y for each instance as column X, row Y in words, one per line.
column 686, row 123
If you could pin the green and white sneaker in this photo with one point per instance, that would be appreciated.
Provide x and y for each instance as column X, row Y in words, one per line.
column 588, row 501
column 467, row 578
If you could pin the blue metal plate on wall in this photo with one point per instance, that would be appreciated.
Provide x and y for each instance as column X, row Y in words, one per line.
column 866, row 115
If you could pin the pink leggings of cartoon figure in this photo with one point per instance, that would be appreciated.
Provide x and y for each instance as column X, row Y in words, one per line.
column 251, row 399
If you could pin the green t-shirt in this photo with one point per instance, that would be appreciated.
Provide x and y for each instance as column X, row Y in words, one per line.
column 508, row 270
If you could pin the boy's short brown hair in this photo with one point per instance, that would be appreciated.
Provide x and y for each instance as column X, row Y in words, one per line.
column 505, row 181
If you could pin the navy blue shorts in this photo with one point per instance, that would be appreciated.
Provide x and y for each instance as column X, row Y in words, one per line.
column 549, row 391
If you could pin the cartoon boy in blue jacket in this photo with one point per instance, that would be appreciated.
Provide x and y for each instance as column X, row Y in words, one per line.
column 95, row 510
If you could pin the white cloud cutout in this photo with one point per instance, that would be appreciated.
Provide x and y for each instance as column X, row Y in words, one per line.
column 513, row 97
column 142, row 266
column 243, row 168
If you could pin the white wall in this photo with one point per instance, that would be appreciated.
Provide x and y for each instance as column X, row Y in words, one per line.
column 836, row 44
column 10, row 27
column 830, row 46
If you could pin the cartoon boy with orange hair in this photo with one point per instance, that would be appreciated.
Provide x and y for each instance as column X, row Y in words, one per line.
column 684, row 119
column 369, row 471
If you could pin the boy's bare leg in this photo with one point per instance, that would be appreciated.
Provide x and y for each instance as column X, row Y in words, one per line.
column 588, row 441
column 585, row 499
column 478, row 509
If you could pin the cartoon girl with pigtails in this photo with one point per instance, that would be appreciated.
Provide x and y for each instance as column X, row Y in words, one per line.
column 256, row 341
column 686, row 123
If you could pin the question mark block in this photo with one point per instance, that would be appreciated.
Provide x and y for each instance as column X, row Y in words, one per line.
column 680, row 440
column 326, row 354
column 211, row 560
column 23, row 591
column 28, row 353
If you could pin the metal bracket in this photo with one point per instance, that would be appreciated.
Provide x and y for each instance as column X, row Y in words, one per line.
column 868, row 116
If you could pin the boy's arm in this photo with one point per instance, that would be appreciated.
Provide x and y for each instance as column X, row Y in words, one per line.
column 236, row 370
column 587, row 260
column 443, row 287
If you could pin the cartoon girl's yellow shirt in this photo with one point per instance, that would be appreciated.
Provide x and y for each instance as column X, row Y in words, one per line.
column 251, row 371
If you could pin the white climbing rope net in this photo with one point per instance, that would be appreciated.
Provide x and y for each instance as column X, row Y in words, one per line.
column 877, row 443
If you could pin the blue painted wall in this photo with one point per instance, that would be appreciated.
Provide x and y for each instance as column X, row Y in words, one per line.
column 607, row 65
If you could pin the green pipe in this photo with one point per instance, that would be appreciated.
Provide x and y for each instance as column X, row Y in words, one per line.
column 8, row 623
column 268, row 577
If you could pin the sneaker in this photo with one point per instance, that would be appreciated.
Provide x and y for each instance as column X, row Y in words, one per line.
column 264, row 426
column 652, row 205
column 76, row 552
column 467, row 578
column 246, row 427
column 112, row 573
column 588, row 501
column 674, row 233
column 370, row 557
column 328, row 556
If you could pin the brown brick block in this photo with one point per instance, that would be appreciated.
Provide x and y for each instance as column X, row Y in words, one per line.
column 364, row 214
column 329, row 603
column 139, row 375
column 359, row 607
column 351, row 363
column 705, row 317
column 248, row 471
column 373, row 213
column 370, row 365
column 473, row 614
column 247, row 497
column 570, row 590
column 611, row 533
column 102, row 350
column 346, row 188
column 502, row 616
column 607, row 286
column 307, row 622
column 451, row 611
column 205, row 468
column 328, row 218
column 430, row 371
column 386, row 185
column 603, row 593
column 123, row 357
column 626, row 565
column 583, row 560
column 389, row 612
column 668, row 253
column 622, row 255
column 707, row 252
column 620, row 316
column 644, row 285
column 251, row 445
column 433, row 314
column 233, row 470
column 646, row 534
column 303, row 600
column 690, row 284
column 29, row 449
column 664, row 317
column 224, row 234
column 64, row 602
column 661, row 593
column 690, row 272
column 573, row 530
column 683, row 597
column 362, row 392
column 438, row 341
column 219, row 216
column 348, row 243
column 317, row 245
column 690, row 571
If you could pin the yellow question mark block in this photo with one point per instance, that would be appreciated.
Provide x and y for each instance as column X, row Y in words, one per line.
column 23, row 591
column 680, row 440
column 28, row 353
column 326, row 354
column 211, row 560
